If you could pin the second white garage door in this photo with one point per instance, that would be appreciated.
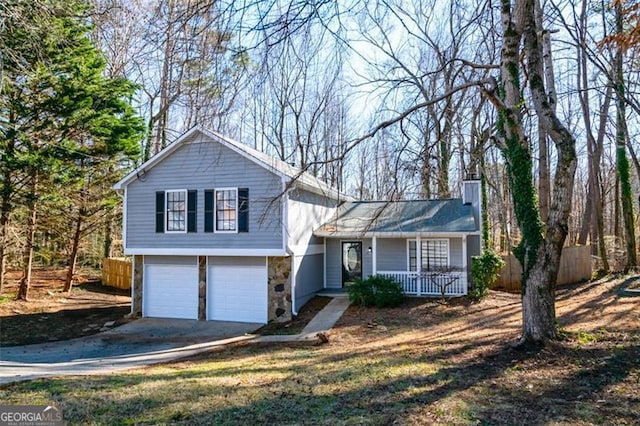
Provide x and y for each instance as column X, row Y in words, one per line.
column 237, row 289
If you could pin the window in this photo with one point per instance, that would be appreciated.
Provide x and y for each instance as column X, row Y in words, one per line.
column 176, row 211
column 434, row 255
column 226, row 210
column 413, row 258
column 230, row 209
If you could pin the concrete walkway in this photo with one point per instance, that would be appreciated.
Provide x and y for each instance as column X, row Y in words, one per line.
column 122, row 348
column 327, row 317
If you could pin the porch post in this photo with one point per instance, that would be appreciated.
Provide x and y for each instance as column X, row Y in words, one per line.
column 419, row 265
column 374, row 255
column 465, row 273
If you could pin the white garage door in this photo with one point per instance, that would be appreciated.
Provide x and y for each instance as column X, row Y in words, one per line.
column 237, row 289
column 170, row 291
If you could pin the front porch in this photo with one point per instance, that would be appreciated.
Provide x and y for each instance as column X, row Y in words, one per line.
column 422, row 265
column 430, row 284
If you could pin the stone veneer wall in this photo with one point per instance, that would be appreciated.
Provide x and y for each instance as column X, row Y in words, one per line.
column 136, row 301
column 279, row 292
column 202, row 288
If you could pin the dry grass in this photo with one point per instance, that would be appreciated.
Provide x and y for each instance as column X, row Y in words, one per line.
column 422, row 363
column 50, row 314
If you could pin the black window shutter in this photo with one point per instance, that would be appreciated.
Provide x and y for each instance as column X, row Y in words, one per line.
column 160, row 211
column 243, row 209
column 208, row 210
column 192, row 210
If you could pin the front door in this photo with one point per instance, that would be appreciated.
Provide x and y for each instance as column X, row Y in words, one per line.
column 351, row 262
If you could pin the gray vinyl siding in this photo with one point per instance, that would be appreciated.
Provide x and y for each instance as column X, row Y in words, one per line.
column 309, row 277
column 333, row 255
column 455, row 252
column 334, row 260
column 306, row 212
column 200, row 165
column 474, row 248
column 392, row 254
column 171, row 260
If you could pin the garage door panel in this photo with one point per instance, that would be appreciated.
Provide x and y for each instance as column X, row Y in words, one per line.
column 170, row 291
column 237, row 290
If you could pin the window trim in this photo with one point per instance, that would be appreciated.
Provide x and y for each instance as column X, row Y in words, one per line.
column 215, row 212
column 422, row 241
column 166, row 211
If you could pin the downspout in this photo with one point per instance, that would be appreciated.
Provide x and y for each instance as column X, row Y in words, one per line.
column 285, row 243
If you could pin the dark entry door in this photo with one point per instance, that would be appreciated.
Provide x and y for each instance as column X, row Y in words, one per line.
column 351, row 261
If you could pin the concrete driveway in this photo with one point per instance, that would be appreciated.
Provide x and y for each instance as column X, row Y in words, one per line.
column 141, row 342
column 144, row 342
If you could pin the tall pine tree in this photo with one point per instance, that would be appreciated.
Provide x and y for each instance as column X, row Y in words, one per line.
column 67, row 123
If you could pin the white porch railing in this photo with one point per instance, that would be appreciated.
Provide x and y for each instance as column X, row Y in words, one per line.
column 430, row 283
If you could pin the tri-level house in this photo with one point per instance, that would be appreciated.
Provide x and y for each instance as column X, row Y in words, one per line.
column 221, row 231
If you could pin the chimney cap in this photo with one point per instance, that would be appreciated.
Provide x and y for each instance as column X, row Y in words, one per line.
column 472, row 176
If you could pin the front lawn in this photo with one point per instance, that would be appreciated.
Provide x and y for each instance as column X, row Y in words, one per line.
column 422, row 363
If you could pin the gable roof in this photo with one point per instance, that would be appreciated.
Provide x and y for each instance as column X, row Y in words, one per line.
column 293, row 175
column 400, row 218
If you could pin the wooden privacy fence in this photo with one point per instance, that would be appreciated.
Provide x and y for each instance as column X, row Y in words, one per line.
column 116, row 273
column 575, row 266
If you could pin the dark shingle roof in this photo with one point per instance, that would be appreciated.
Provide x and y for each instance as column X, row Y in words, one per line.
column 400, row 217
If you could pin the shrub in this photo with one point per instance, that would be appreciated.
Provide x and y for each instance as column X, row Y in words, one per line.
column 484, row 272
column 378, row 291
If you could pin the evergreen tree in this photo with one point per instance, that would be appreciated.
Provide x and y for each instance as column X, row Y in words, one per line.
column 67, row 123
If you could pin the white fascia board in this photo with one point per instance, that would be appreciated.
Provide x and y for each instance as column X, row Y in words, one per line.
column 205, row 252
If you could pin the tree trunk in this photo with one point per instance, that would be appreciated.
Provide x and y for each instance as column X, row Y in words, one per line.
column 544, row 183
column 543, row 174
column 593, row 221
column 538, row 251
column 71, row 262
column 108, row 238
column 425, row 171
column 588, row 217
column 25, row 282
column 6, row 195
column 486, row 239
column 622, row 162
column 616, row 209
column 4, row 223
